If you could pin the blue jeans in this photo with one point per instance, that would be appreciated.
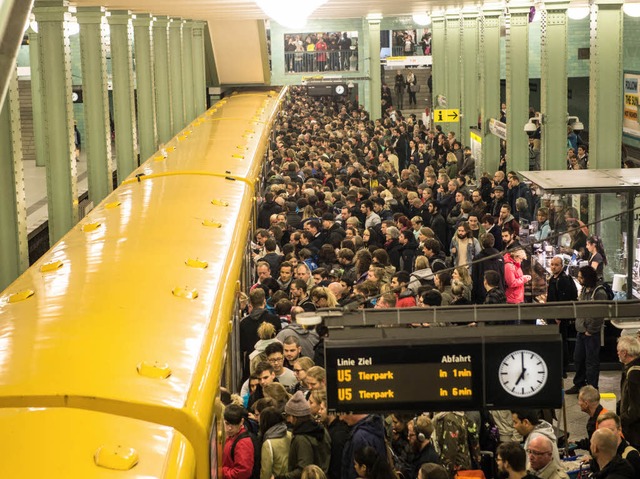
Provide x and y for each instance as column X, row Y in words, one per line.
column 587, row 360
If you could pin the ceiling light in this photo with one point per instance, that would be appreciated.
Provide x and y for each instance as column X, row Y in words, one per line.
column 631, row 9
column 422, row 18
column 374, row 16
column 578, row 13
column 289, row 13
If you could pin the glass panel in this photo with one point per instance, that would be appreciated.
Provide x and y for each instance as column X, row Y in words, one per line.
column 321, row 52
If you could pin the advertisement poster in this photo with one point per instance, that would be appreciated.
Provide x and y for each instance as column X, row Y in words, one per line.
column 630, row 125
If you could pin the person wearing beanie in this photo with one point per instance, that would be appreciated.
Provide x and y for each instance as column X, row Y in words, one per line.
column 393, row 246
column 311, row 443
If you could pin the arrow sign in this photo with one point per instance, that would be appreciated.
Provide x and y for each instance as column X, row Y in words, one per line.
column 446, row 116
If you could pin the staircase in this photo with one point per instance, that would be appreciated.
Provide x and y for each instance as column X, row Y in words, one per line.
column 423, row 97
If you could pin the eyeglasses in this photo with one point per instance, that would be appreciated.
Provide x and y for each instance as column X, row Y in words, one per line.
column 276, row 360
column 537, row 453
column 297, row 370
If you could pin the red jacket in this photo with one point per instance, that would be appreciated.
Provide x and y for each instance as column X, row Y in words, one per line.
column 406, row 302
column 241, row 466
column 514, row 280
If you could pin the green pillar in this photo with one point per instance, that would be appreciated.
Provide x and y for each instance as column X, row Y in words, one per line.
column 470, row 93
column 176, row 72
column 553, row 85
column 96, row 102
column 161, row 74
column 55, row 67
column 605, row 86
column 438, row 55
column 123, row 99
column 489, row 53
column 453, row 36
column 14, row 247
column 517, row 87
column 145, row 87
column 187, row 71
column 36, row 96
column 374, row 68
column 199, row 84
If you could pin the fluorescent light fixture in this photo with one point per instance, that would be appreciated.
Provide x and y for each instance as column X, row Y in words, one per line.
column 289, row 13
column 72, row 26
column 422, row 18
column 631, row 9
column 374, row 16
column 578, row 13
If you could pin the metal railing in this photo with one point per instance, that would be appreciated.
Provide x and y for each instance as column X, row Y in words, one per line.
column 321, row 61
column 398, row 51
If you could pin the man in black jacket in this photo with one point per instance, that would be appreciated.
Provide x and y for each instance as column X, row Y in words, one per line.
column 420, row 431
column 493, row 285
column 604, row 449
column 488, row 259
column 561, row 288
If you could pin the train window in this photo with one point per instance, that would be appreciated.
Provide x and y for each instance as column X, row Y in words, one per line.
column 215, row 445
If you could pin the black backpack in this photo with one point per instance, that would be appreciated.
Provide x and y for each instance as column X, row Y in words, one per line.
column 257, row 449
column 607, row 289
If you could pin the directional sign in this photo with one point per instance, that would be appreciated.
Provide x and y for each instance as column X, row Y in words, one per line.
column 446, row 116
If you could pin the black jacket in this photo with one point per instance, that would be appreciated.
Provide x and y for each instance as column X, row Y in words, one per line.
column 618, row 468
column 562, row 288
column 495, row 296
column 249, row 331
column 339, row 432
column 630, row 402
column 267, row 209
column 427, row 454
column 496, row 263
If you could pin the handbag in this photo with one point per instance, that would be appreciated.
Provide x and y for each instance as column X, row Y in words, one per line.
column 414, row 88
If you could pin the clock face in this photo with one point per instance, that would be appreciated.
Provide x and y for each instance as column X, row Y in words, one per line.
column 523, row 373
column 340, row 89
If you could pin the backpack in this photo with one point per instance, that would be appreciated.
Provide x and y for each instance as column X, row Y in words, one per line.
column 607, row 289
column 489, row 433
column 451, row 437
column 257, row 449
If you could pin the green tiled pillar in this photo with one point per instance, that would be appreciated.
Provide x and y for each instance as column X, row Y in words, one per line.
column 453, row 37
column 199, row 84
column 490, row 86
column 36, row 96
column 374, row 68
column 96, row 102
column 605, row 86
column 55, row 67
column 553, row 85
column 517, row 87
column 123, row 98
column 161, row 75
column 470, row 93
column 187, row 71
column 176, row 72
column 145, row 86
column 438, row 55
column 14, row 247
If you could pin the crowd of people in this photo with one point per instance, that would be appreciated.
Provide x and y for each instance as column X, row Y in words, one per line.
column 387, row 214
column 320, row 52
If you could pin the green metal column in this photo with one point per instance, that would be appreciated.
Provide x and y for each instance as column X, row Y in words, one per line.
column 96, row 102
column 187, row 71
column 176, row 72
column 490, row 86
column 374, row 68
column 146, row 96
column 438, row 55
column 14, row 247
column 55, row 68
column 199, row 84
column 453, row 34
column 517, row 87
column 161, row 74
column 123, row 99
column 553, row 85
column 36, row 96
column 470, row 93
column 605, row 86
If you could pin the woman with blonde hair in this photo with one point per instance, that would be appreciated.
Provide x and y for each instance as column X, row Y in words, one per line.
column 322, row 297
column 316, row 378
column 461, row 274
column 278, row 393
column 266, row 335
column 300, row 368
column 451, row 166
column 316, row 399
column 312, row 472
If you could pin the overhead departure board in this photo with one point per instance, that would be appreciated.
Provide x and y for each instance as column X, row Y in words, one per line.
column 404, row 377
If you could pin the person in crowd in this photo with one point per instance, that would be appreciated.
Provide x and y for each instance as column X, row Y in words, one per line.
column 589, row 403
column 399, row 285
column 292, row 351
column 541, row 461
column 276, row 441
column 629, row 355
column 366, row 430
column 432, row 471
column 513, row 278
column 420, row 430
column 610, row 420
column 596, row 256
column 464, row 247
column 493, row 287
column 238, row 454
column 511, row 461
column 300, row 368
column 316, row 378
column 489, row 259
column 604, row 450
column 369, row 465
column 307, row 337
column 544, row 229
column 275, row 356
column 527, row 421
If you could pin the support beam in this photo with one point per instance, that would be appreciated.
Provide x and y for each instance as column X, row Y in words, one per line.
column 453, row 34
column 553, row 85
column 161, row 75
column 146, row 94
column 123, row 98
column 605, row 85
column 187, row 71
column 199, row 84
column 438, row 54
column 374, row 68
column 55, row 66
column 14, row 248
column 176, row 71
column 36, row 95
column 96, row 102
column 517, row 87
column 490, row 86
column 469, row 101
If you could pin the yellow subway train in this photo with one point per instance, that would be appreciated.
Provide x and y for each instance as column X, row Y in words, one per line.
column 114, row 344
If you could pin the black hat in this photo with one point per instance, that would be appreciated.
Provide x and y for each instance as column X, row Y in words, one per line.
column 498, row 188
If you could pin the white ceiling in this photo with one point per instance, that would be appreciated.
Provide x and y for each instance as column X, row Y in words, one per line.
column 248, row 10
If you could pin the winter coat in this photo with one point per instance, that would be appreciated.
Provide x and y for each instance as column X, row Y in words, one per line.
column 311, row 444
column 514, row 280
column 617, row 468
column 249, row 328
column 545, row 429
column 418, row 277
column 339, row 432
column 630, row 401
column 591, row 325
column 275, row 451
column 369, row 431
column 495, row 296
column 241, row 465
column 308, row 337
column 561, row 288
column 496, row 263
column 267, row 209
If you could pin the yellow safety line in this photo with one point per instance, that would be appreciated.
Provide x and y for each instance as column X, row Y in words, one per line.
column 187, row 173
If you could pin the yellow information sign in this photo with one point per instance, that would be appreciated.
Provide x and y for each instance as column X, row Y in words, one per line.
column 446, row 116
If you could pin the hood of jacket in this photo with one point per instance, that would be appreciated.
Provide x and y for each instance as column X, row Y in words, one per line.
column 257, row 314
column 372, row 425
column 300, row 330
column 309, row 428
column 279, row 430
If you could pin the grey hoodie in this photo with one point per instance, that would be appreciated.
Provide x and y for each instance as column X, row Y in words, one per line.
column 308, row 338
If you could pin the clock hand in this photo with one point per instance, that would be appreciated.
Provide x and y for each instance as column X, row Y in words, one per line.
column 521, row 377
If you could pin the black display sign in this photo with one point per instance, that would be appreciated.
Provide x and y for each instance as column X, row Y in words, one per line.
column 456, row 374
